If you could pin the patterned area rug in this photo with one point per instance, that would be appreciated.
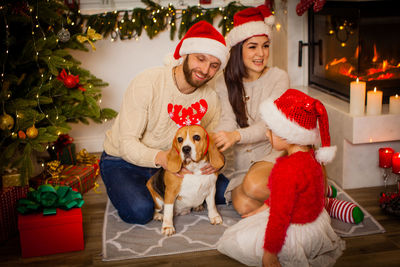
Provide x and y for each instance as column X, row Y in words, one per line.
column 194, row 232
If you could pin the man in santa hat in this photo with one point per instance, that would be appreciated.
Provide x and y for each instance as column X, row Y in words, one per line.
column 137, row 144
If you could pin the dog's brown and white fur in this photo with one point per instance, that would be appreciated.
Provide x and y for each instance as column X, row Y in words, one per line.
column 193, row 149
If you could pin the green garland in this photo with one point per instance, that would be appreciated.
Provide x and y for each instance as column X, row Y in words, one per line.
column 128, row 24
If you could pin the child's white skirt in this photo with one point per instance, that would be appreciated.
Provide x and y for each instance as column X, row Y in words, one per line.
column 311, row 244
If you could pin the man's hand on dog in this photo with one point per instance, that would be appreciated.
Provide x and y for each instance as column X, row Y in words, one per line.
column 208, row 169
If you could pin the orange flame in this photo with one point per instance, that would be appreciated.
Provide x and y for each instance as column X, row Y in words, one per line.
column 335, row 61
column 357, row 51
column 380, row 70
column 384, row 65
column 375, row 58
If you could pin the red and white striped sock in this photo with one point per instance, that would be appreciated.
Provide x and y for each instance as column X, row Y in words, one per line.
column 331, row 191
column 344, row 210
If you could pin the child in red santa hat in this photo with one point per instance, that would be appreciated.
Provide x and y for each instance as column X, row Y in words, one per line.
column 292, row 228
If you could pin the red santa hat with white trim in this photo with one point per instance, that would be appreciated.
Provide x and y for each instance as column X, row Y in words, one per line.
column 251, row 22
column 203, row 38
column 294, row 116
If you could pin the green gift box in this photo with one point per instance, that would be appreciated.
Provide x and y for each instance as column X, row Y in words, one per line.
column 66, row 155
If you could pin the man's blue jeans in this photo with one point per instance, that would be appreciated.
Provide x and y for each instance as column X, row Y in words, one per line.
column 126, row 188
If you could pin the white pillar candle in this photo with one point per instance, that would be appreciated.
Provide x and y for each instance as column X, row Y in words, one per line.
column 394, row 104
column 357, row 97
column 374, row 102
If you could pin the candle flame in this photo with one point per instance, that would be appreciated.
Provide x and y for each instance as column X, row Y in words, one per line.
column 397, row 96
column 357, row 79
column 374, row 89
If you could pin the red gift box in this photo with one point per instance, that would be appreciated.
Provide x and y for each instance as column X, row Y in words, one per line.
column 81, row 178
column 8, row 210
column 49, row 234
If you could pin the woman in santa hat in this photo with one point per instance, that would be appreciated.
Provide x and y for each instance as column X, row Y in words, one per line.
column 292, row 227
column 245, row 83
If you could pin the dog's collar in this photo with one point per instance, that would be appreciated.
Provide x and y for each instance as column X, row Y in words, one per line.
column 208, row 142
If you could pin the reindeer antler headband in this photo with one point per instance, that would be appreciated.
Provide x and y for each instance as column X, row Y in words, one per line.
column 188, row 117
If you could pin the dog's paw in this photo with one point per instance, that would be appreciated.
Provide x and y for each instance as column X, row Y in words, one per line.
column 168, row 230
column 199, row 208
column 216, row 220
column 158, row 216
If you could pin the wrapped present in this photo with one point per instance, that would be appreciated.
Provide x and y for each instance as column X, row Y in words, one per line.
column 63, row 150
column 84, row 158
column 12, row 177
column 8, row 210
column 58, row 226
column 43, row 235
column 81, row 178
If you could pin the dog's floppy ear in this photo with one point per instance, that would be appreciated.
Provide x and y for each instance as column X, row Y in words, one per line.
column 174, row 160
column 217, row 159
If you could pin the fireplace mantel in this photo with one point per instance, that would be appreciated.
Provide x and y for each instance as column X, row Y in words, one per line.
column 358, row 139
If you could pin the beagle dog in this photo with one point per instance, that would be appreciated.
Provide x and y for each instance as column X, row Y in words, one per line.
column 192, row 149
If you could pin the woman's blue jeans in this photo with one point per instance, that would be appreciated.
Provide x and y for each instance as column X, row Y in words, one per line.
column 126, row 188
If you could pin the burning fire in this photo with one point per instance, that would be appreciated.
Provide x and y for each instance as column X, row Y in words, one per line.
column 381, row 69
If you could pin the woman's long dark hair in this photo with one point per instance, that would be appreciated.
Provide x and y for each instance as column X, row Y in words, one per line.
column 234, row 73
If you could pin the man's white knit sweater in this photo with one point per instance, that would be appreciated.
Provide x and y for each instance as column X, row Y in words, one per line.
column 143, row 126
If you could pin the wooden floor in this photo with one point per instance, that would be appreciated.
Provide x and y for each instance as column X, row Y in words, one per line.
column 373, row 250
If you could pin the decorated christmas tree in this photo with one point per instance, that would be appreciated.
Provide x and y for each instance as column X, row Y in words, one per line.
column 43, row 89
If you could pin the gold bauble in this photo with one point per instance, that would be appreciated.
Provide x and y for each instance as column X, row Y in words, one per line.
column 6, row 122
column 32, row 132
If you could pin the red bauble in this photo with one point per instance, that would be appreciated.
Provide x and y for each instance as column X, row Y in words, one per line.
column 71, row 81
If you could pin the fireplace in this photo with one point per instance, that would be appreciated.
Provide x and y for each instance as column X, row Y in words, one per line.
column 354, row 39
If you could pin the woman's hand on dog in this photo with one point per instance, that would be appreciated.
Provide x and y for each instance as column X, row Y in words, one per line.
column 224, row 140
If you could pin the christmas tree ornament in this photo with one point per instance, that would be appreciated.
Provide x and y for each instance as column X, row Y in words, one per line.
column 32, row 132
column 69, row 80
column 344, row 210
column 63, row 35
column 21, row 134
column 6, row 122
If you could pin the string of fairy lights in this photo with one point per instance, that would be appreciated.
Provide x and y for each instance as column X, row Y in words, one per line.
column 154, row 19
column 123, row 24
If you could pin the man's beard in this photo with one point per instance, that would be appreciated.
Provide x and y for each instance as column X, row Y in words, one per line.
column 188, row 75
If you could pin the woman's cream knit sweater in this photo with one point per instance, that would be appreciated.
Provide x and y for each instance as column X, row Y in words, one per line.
column 253, row 145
